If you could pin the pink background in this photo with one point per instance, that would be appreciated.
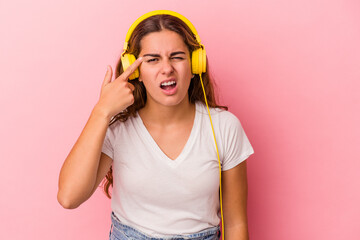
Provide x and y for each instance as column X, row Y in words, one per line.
column 289, row 70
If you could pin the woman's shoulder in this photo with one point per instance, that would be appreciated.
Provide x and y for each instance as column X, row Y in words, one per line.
column 201, row 108
column 220, row 115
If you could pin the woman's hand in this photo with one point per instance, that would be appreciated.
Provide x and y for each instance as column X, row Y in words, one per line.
column 117, row 95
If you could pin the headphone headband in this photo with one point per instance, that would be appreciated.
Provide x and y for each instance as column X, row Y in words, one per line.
column 160, row 12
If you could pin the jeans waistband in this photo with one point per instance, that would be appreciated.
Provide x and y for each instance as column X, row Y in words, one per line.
column 121, row 231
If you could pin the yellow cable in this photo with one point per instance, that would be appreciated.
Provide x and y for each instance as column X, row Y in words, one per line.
column 217, row 151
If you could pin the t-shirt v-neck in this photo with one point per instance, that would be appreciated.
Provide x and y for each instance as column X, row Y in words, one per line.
column 154, row 147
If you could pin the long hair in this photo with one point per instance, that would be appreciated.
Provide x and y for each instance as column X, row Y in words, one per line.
column 158, row 23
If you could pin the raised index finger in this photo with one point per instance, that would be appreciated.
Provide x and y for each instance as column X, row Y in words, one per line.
column 126, row 74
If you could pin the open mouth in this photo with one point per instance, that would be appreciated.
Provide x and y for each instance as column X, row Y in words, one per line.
column 168, row 85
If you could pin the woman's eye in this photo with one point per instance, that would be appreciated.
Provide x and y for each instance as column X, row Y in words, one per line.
column 152, row 60
column 178, row 58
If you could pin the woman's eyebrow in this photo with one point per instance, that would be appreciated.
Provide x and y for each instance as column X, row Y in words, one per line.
column 175, row 53
column 151, row 55
column 158, row 55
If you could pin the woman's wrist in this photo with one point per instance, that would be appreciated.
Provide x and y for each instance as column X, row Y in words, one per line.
column 100, row 112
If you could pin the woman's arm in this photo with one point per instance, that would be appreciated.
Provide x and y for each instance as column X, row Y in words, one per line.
column 234, row 192
column 85, row 167
column 81, row 171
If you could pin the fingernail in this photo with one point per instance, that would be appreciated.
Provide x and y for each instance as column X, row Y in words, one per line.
column 107, row 68
column 140, row 58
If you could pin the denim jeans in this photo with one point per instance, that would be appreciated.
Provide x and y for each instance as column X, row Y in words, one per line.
column 120, row 231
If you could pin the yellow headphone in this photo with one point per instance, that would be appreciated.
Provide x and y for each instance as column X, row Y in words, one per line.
column 198, row 62
column 198, row 66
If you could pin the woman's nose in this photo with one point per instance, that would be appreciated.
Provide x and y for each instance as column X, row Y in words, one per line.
column 167, row 67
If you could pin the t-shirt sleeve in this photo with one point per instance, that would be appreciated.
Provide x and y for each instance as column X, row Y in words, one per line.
column 237, row 147
column 107, row 146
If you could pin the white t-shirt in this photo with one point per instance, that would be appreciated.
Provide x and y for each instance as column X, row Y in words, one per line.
column 160, row 196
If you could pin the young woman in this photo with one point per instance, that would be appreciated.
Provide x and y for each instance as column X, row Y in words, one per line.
column 152, row 139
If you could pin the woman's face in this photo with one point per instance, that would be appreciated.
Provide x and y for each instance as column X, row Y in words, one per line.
column 166, row 68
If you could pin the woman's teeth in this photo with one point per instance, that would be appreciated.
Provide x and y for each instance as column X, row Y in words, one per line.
column 167, row 83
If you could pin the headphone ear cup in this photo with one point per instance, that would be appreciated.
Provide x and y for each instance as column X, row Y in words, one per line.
column 198, row 61
column 195, row 61
column 126, row 61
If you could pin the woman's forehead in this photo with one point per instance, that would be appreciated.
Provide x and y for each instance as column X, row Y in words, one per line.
column 164, row 42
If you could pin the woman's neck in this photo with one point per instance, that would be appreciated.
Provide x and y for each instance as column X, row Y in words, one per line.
column 160, row 115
